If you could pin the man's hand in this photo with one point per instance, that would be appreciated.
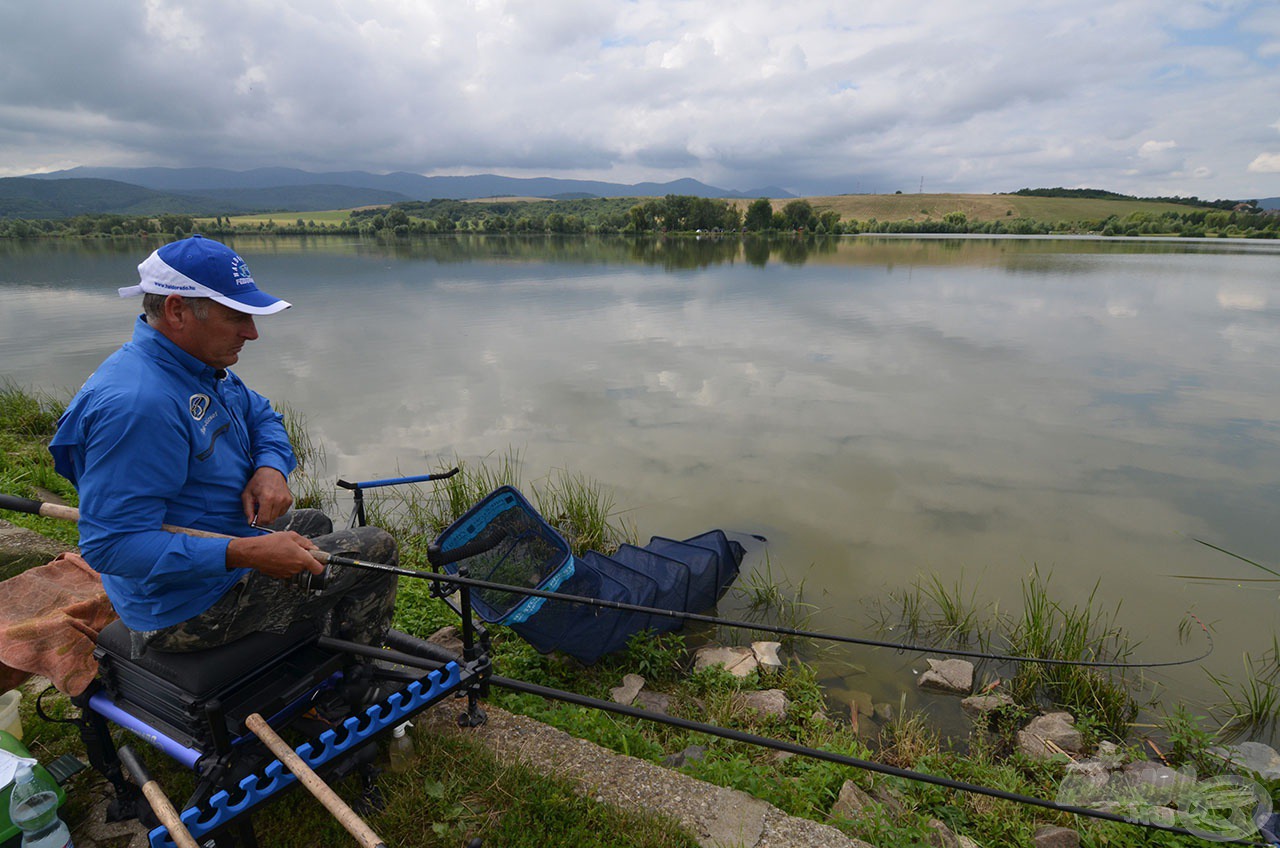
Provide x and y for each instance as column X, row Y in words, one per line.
column 280, row 555
column 267, row 497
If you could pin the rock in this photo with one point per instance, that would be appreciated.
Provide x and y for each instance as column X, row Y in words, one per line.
column 627, row 692
column 21, row 549
column 981, row 706
column 770, row 703
column 1052, row 836
column 966, row 842
column 1157, row 782
column 942, row 836
column 1089, row 773
column 737, row 661
column 1109, row 754
column 860, row 704
column 818, row 717
column 1085, row 777
column 766, row 654
column 850, row 802
column 954, row 677
column 1251, row 756
column 889, row 796
column 882, row 713
column 1046, row 734
column 449, row 638
column 691, row 754
column 654, row 702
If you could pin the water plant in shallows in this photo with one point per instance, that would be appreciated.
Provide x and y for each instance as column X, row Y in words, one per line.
column 1252, row 705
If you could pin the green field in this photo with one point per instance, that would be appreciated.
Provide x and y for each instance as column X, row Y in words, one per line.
column 976, row 207
column 322, row 216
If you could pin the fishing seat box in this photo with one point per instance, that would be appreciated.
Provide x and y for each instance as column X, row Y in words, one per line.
column 176, row 692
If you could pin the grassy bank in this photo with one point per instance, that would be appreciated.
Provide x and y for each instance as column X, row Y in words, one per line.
column 27, row 420
column 456, row 790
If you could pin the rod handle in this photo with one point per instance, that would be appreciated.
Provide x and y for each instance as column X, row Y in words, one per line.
column 159, row 802
column 346, row 816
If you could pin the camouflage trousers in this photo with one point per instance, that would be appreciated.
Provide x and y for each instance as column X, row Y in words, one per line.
column 356, row 604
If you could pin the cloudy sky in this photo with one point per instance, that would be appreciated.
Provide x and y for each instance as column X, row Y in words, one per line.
column 1139, row 96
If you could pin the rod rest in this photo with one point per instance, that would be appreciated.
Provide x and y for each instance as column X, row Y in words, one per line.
column 401, row 641
column 257, row 787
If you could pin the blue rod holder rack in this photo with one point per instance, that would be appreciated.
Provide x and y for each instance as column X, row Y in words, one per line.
column 397, row 708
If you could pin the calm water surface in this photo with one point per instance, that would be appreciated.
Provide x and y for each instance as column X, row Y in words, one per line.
column 880, row 409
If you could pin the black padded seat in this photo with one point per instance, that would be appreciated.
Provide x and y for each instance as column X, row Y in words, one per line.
column 201, row 673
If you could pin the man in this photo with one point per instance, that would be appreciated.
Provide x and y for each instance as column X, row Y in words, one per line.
column 163, row 433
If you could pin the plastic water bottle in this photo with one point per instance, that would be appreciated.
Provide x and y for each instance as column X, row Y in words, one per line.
column 33, row 806
column 401, row 751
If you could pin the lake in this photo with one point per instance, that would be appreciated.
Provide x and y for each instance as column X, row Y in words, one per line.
column 881, row 409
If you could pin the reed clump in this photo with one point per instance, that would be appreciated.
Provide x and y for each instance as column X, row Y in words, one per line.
column 581, row 509
column 1043, row 627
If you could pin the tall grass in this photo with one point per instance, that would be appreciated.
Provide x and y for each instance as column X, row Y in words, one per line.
column 777, row 601
column 308, row 492
column 28, row 419
column 584, row 512
column 581, row 509
column 28, row 412
column 929, row 609
column 1083, row 632
column 1251, row 706
column 1044, row 628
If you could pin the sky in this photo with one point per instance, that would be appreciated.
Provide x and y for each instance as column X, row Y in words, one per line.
column 1146, row 97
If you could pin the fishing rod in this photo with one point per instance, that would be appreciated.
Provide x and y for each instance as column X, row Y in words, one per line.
column 486, row 542
column 588, row 702
column 856, row 762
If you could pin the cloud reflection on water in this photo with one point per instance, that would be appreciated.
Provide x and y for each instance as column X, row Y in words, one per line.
column 881, row 409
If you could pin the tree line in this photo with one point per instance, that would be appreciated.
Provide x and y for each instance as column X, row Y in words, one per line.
column 670, row 214
column 1102, row 194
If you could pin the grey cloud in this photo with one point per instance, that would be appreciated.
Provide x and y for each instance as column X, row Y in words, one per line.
column 826, row 93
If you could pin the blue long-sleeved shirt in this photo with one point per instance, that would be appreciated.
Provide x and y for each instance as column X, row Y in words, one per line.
column 155, row 436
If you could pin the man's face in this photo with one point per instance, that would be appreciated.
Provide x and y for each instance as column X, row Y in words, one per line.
column 216, row 341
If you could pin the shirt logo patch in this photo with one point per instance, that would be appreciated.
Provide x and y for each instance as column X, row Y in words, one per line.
column 199, row 405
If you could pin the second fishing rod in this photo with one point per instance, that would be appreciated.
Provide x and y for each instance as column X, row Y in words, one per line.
column 492, row 538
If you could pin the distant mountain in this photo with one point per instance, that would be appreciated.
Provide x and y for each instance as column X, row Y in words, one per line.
column 25, row 197
column 21, row 197
column 1270, row 203
column 298, row 198
column 412, row 186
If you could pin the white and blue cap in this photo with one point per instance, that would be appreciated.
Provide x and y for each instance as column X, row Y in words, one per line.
column 201, row 267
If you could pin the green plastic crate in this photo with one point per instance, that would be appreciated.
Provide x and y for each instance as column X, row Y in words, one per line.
column 10, row 832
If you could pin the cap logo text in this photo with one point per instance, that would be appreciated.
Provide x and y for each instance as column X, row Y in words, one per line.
column 240, row 273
